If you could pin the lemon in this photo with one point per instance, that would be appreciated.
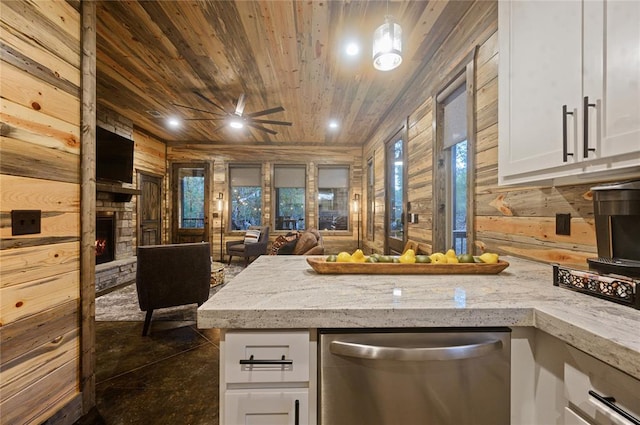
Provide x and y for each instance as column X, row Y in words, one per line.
column 407, row 259
column 489, row 258
column 410, row 253
column 358, row 256
column 438, row 258
column 343, row 257
column 451, row 253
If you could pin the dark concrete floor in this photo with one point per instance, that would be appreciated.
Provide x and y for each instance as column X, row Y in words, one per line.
column 167, row 377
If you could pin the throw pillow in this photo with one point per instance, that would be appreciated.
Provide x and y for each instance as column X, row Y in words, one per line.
column 251, row 236
column 287, row 249
column 284, row 240
column 277, row 244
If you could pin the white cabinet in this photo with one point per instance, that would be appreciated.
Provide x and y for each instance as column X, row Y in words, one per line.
column 551, row 383
column 268, row 377
column 599, row 393
column 267, row 407
column 569, row 90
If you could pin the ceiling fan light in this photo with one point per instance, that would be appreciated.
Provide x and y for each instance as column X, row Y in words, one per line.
column 236, row 122
column 387, row 45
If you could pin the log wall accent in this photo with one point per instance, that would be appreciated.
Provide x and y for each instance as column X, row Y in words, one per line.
column 40, row 273
column 221, row 155
column 518, row 221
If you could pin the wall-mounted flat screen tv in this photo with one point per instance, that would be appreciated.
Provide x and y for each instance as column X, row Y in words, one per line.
column 114, row 157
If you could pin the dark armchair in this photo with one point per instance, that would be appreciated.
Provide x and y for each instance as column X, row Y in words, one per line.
column 248, row 250
column 172, row 275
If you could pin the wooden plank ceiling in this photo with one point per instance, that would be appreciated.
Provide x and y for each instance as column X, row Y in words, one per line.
column 154, row 55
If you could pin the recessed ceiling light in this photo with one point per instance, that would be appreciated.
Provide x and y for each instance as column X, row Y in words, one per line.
column 173, row 122
column 352, row 48
column 333, row 124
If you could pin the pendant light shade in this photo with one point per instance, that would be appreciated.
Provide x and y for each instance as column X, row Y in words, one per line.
column 387, row 45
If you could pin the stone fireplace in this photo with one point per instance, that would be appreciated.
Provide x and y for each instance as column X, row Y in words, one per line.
column 105, row 237
column 115, row 243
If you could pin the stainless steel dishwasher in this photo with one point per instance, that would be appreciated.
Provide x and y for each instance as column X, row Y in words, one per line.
column 425, row 376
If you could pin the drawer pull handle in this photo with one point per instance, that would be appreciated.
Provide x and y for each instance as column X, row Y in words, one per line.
column 297, row 413
column 253, row 361
column 610, row 402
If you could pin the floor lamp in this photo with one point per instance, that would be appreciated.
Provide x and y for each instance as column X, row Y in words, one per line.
column 356, row 207
column 220, row 205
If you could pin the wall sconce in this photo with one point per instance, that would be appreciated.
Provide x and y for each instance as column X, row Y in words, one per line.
column 356, row 208
column 220, row 206
column 387, row 45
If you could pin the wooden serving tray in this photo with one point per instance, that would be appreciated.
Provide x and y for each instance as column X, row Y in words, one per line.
column 322, row 267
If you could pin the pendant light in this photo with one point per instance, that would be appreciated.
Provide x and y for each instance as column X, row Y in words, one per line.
column 387, row 45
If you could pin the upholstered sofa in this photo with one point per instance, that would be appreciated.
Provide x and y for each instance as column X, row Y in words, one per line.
column 308, row 242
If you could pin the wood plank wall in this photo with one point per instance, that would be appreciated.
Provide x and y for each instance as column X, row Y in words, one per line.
column 518, row 221
column 40, row 170
column 220, row 156
column 150, row 156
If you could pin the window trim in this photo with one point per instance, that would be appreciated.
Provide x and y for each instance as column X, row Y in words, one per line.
column 274, row 198
column 230, row 166
column 350, row 192
column 441, row 157
column 370, row 188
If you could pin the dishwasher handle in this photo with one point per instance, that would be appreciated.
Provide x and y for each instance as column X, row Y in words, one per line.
column 452, row 352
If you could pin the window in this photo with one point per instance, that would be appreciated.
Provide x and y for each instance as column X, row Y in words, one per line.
column 290, row 190
column 245, row 187
column 192, row 198
column 333, row 198
column 371, row 201
column 455, row 144
column 453, row 162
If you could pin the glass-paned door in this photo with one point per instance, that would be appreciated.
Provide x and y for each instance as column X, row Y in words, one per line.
column 458, row 193
column 190, row 202
column 395, row 191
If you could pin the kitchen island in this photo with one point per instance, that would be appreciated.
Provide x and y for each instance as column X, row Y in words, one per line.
column 285, row 293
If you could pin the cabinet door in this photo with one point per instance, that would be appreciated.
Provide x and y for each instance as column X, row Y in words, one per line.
column 572, row 418
column 540, row 71
column 267, row 356
column 612, row 76
column 266, row 407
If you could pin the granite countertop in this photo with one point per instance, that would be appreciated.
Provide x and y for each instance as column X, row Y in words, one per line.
column 284, row 292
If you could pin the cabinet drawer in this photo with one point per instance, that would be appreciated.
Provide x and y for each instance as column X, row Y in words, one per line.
column 583, row 373
column 267, row 356
column 267, row 407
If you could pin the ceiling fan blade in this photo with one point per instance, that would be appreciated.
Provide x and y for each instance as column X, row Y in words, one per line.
column 205, row 119
column 266, row 112
column 240, row 105
column 209, row 101
column 196, row 109
column 272, row 122
column 259, row 127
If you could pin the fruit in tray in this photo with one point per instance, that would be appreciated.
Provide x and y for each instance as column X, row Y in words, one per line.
column 410, row 257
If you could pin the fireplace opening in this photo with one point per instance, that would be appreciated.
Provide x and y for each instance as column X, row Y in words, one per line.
column 105, row 238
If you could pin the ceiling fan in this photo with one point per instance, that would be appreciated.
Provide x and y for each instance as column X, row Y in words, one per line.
column 237, row 118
